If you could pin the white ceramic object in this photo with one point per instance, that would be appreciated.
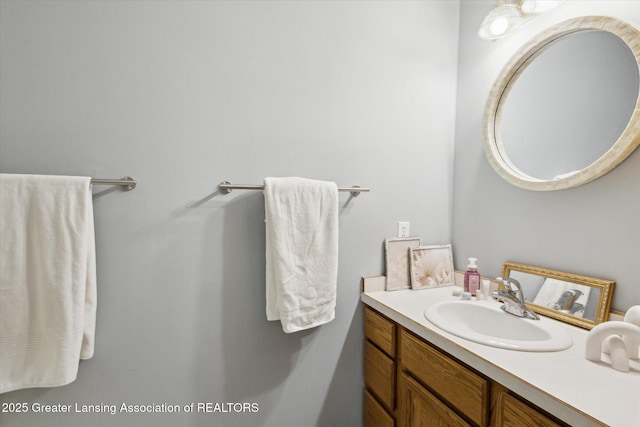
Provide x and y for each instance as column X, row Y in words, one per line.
column 594, row 343
column 486, row 323
column 606, row 348
column 618, row 352
column 632, row 316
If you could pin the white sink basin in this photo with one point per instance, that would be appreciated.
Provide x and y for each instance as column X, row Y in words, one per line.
column 486, row 323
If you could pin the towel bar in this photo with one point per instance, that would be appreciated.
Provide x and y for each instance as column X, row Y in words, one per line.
column 226, row 187
column 128, row 182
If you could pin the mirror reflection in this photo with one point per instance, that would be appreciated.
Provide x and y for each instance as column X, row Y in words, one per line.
column 564, row 297
column 570, row 105
column 580, row 300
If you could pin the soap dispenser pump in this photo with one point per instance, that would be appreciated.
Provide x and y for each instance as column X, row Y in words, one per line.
column 472, row 277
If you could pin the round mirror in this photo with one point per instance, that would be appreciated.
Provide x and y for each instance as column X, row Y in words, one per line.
column 567, row 110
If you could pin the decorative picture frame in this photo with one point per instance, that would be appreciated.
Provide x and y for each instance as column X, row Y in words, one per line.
column 533, row 278
column 397, row 262
column 431, row 266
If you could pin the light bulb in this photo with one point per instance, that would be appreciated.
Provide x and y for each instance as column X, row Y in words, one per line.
column 499, row 26
column 500, row 21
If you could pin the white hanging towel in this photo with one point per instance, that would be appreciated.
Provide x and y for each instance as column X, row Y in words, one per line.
column 301, row 218
column 47, row 279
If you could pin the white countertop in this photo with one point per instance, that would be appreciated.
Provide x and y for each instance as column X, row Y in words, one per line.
column 563, row 383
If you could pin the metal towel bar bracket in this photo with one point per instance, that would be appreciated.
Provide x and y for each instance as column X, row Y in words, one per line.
column 127, row 182
column 226, row 187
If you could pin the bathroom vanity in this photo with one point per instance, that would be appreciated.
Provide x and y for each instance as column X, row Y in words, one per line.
column 417, row 374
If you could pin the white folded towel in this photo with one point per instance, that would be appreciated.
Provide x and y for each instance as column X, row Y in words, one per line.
column 301, row 251
column 47, row 279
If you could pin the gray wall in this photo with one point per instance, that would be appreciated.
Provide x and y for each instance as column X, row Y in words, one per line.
column 592, row 229
column 183, row 95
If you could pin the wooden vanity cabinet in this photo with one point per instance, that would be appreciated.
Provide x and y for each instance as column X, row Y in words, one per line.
column 379, row 369
column 409, row 382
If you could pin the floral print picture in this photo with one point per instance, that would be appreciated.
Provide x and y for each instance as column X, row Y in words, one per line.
column 431, row 266
column 397, row 257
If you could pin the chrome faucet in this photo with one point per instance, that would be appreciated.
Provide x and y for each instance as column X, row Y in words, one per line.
column 513, row 299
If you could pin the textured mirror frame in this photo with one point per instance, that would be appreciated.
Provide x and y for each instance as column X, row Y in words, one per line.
column 493, row 146
column 604, row 300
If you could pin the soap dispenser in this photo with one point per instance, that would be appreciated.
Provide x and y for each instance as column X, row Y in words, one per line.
column 472, row 277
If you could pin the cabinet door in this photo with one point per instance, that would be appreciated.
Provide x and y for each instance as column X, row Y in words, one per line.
column 511, row 412
column 417, row 407
column 457, row 385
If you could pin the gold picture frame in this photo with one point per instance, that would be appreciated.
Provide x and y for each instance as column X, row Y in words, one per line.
column 572, row 298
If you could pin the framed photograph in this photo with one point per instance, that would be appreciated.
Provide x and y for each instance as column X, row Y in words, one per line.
column 431, row 266
column 397, row 259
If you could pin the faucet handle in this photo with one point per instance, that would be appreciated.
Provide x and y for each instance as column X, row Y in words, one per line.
column 508, row 281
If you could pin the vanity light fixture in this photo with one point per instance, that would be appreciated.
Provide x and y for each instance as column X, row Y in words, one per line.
column 509, row 15
column 538, row 6
column 500, row 22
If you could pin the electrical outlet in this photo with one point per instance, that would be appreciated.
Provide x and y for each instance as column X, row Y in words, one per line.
column 403, row 228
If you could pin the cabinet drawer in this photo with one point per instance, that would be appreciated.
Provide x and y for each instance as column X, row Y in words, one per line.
column 374, row 414
column 380, row 331
column 379, row 375
column 459, row 386
column 514, row 413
